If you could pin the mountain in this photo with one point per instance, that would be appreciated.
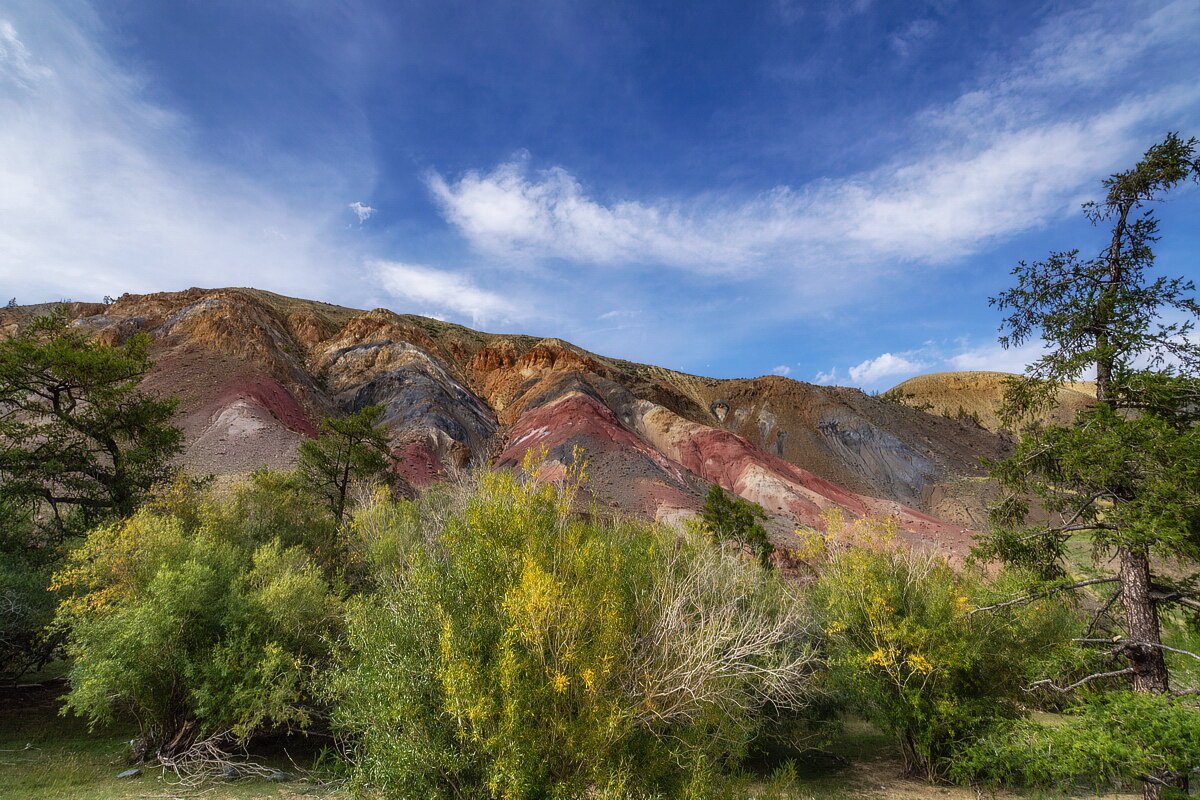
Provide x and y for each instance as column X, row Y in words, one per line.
column 255, row 371
column 980, row 395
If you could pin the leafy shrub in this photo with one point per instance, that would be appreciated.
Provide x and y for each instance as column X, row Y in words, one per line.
column 26, row 607
column 904, row 647
column 1114, row 737
column 191, row 620
column 513, row 649
column 730, row 518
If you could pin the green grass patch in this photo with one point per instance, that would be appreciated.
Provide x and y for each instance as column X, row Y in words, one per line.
column 47, row 756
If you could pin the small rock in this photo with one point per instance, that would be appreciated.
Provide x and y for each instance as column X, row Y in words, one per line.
column 279, row 777
column 229, row 772
column 130, row 773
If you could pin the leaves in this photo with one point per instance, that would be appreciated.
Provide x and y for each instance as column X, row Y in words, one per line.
column 75, row 431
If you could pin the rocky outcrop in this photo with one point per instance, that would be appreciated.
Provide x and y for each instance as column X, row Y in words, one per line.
column 254, row 372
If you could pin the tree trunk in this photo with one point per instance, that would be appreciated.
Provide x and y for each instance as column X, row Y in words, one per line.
column 1143, row 628
column 1141, row 623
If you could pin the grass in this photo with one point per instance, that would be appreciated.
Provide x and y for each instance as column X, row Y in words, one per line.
column 45, row 756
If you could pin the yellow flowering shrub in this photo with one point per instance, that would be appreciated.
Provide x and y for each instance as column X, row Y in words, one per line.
column 514, row 648
column 906, row 651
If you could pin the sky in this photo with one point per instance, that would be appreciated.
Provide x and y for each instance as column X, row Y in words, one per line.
column 825, row 190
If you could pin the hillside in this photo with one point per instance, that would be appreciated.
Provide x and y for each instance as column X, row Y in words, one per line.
column 980, row 395
column 254, row 371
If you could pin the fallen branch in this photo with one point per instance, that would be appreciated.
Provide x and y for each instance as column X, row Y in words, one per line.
column 207, row 761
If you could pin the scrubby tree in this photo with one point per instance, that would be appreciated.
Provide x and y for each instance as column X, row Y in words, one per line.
column 514, row 649
column 730, row 518
column 349, row 449
column 905, row 649
column 78, row 439
column 196, row 623
column 1125, row 473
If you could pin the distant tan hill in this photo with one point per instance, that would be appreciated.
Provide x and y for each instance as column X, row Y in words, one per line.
column 979, row 395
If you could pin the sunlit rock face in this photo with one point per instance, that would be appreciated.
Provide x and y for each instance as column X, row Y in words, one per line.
column 255, row 372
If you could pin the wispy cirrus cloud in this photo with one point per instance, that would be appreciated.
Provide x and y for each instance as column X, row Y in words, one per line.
column 100, row 192
column 1008, row 155
column 438, row 291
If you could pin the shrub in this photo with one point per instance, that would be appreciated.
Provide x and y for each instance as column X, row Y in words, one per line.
column 195, row 623
column 1113, row 737
column 730, row 518
column 513, row 649
column 26, row 608
column 904, row 647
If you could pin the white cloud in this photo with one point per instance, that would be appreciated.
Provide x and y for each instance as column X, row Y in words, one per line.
column 16, row 64
column 361, row 210
column 827, row 378
column 442, row 290
column 872, row 371
column 1005, row 157
column 888, row 369
column 782, row 369
column 994, row 358
column 100, row 193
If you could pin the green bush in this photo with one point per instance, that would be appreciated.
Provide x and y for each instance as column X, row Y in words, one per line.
column 729, row 518
column 1115, row 737
column 513, row 649
column 904, row 647
column 191, row 620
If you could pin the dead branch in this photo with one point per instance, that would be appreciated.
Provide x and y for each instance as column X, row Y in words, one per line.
column 1102, row 611
column 209, row 760
column 1049, row 683
column 1029, row 598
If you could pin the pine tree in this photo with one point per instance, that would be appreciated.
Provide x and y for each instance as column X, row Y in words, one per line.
column 349, row 448
column 77, row 437
column 1126, row 473
column 735, row 519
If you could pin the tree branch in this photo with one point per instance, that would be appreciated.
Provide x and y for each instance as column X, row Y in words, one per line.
column 1029, row 598
column 1049, row 684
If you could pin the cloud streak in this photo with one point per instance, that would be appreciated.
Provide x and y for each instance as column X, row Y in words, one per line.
column 1001, row 159
column 438, row 291
column 99, row 193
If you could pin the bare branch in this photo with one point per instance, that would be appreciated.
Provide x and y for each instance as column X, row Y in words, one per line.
column 1179, row 597
column 1049, row 683
column 1029, row 598
column 1134, row 643
column 1102, row 611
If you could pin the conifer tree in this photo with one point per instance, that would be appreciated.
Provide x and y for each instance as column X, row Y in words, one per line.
column 349, row 448
column 77, row 437
column 1126, row 472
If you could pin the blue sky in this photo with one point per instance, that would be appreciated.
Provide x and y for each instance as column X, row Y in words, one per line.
column 828, row 190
